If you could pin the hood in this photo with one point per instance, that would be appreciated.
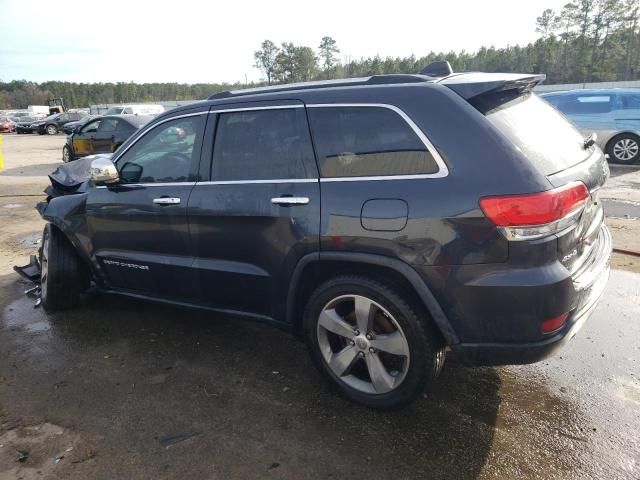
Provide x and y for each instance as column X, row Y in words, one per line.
column 70, row 178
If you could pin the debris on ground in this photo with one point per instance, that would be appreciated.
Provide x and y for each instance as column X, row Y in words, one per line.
column 170, row 440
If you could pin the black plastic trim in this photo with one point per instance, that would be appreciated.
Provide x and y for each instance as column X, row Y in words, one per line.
column 365, row 258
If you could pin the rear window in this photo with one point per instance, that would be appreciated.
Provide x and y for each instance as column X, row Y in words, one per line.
column 542, row 134
column 367, row 141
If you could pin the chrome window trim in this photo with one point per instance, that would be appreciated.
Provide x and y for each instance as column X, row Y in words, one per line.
column 151, row 184
column 151, row 127
column 275, row 180
column 249, row 109
column 442, row 172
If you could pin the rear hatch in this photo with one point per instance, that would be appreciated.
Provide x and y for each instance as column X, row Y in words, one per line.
column 557, row 149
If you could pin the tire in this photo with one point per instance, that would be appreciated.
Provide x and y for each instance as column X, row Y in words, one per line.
column 624, row 149
column 63, row 277
column 51, row 129
column 67, row 155
column 391, row 316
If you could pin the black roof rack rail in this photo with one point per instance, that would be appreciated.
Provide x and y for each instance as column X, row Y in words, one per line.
column 347, row 82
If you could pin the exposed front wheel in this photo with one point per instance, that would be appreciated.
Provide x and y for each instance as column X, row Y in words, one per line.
column 62, row 275
column 624, row 148
column 371, row 343
column 52, row 129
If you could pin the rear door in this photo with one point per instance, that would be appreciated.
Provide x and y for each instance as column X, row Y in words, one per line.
column 260, row 210
column 138, row 227
column 105, row 136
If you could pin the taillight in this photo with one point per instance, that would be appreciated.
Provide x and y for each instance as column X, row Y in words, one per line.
column 535, row 215
column 554, row 324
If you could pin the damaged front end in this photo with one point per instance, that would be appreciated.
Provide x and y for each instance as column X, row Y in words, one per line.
column 65, row 209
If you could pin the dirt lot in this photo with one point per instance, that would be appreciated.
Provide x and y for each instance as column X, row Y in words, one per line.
column 124, row 389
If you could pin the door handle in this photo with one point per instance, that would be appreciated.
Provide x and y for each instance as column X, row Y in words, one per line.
column 166, row 201
column 290, row 201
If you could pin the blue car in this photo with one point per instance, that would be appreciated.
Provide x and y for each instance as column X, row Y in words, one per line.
column 613, row 114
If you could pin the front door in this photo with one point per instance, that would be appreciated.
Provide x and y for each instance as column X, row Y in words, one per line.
column 260, row 213
column 138, row 227
column 83, row 140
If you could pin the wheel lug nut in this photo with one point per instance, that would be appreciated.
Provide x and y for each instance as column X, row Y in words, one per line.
column 369, row 336
column 352, row 343
column 357, row 332
column 361, row 354
column 372, row 350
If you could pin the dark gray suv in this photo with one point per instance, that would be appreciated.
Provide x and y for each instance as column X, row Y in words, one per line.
column 385, row 220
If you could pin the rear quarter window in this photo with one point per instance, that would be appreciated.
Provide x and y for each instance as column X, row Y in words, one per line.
column 367, row 141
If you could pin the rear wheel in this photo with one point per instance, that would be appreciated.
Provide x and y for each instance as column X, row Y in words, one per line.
column 62, row 277
column 52, row 129
column 624, row 148
column 376, row 347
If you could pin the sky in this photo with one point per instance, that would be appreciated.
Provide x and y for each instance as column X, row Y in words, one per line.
column 206, row 42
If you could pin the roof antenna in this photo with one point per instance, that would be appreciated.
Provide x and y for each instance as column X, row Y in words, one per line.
column 437, row 69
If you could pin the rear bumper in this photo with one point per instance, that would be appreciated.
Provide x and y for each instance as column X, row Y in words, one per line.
column 589, row 284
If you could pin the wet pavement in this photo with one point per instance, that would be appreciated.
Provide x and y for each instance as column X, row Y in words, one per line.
column 125, row 389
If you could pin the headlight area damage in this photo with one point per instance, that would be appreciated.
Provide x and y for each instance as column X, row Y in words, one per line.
column 64, row 208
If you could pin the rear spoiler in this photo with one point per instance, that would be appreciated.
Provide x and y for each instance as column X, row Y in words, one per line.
column 471, row 85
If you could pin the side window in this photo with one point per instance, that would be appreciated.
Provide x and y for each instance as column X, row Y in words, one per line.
column 128, row 110
column 108, row 125
column 263, row 145
column 367, row 141
column 63, row 118
column 587, row 104
column 91, row 127
column 630, row 101
column 125, row 127
column 167, row 153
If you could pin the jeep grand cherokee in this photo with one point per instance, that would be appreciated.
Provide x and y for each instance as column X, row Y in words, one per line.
column 385, row 220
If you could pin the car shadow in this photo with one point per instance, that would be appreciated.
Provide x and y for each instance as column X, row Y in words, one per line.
column 248, row 390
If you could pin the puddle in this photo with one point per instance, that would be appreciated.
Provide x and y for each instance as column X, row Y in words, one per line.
column 31, row 240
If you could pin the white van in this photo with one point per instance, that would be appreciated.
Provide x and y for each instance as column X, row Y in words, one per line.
column 141, row 109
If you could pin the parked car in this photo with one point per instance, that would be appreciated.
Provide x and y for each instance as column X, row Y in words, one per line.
column 70, row 127
column 142, row 109
column 54, row 123
column 613, row 114
column 6, row 125
column 16, row 116
column 26, row 124
column 101, row 135
column 382, row 219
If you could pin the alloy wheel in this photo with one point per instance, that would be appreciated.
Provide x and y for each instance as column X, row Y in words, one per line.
column 625, row 149
column 363, row 344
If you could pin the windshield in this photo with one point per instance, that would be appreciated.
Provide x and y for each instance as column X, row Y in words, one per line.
column 545, row 136
column 113, row 111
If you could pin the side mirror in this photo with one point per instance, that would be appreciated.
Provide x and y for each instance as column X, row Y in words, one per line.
column 103, row 171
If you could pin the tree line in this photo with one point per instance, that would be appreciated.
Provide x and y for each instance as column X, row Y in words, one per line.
column 586, row 41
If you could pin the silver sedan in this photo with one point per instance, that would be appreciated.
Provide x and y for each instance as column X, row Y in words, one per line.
column 613, row 114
